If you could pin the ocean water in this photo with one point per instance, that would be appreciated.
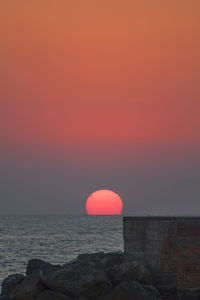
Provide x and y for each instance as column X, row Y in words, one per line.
column 54, row 238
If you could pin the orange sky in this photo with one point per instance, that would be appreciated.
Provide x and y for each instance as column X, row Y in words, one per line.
column 99, row 94
column 99, row 74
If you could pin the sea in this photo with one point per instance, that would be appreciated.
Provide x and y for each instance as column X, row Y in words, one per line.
column 54, row 238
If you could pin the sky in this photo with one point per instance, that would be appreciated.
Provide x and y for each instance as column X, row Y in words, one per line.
column 99, row 95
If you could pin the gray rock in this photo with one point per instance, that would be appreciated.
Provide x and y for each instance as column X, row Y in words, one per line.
column 92, row 258
column 29, row 288
column 168, row 292
column 10, row 282
column 102, row 259
column 50, row 295
column 129, row 271
column 113, row 258
column 40, row 265
column 72, row 261
column 97, row 291
column 132, row 290
column 78, row 280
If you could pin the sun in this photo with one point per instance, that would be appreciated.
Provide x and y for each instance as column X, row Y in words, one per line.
column 104, row 202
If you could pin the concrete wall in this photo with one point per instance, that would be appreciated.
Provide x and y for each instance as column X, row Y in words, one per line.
column 168, row 246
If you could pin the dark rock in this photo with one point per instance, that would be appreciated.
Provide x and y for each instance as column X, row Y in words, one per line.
column 168, row 292
column 129, row 271
column 97, row 276
column 102, row 259
column 89, row 258
column 72, row 261
column 10, row 282
column 78, row 279
column 97, row 291
column 38, row 264
column 188, row 294
column 50, row 295
column 132, row 290
column 112, row 259
column 29, row 288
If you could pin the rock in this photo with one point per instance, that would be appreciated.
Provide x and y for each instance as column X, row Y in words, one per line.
column 29, row 288
column 50, row 295
column 78, row 280
column 102, row 259
column 129, row 271
column 90, row 258
column 38, row 264
column 72, row 261
column 112, row 258
column 97, row 276
column 168, row 292
column 10, row 282
column 132, row 290
column 98, row 291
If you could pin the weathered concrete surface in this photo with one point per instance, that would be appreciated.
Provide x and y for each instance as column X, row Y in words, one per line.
column 168, row 246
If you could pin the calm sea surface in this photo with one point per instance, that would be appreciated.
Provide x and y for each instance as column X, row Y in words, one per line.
column 56, row 239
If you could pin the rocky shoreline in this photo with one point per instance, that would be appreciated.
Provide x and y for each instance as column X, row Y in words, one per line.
column 98, row 276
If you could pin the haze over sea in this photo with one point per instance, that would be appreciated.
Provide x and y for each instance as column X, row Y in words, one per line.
column 54, row 238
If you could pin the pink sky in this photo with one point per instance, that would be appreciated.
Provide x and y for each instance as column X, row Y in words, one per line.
column 100, row 82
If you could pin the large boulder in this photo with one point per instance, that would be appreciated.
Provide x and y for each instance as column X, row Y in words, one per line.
column 40, row 265
column 129, row 271
column 70, row 262
column 78, row 280
column 91, row 258
column 168, row 292
column 132, row 290
column 10, row 282
column 28, row 289
column 50, row 295
column 102, row 259
column 113, row 258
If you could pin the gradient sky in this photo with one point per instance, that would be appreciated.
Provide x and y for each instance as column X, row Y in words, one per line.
column 96, row 95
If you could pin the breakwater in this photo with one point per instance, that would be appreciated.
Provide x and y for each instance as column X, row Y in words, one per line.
column 160, row 262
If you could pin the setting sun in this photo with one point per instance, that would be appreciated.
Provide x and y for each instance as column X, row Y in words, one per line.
column 104, row 202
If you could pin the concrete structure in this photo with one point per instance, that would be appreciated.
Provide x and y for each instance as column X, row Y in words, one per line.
column 168, row 246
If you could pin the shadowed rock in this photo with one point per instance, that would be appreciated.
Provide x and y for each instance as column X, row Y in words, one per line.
column 10, row 282
column 40, row 265
column 102, row 259
column 28, row 289
column 78, row 279
column 50, row 295
column 98, row 276
column 129, row 271
column 132, row 290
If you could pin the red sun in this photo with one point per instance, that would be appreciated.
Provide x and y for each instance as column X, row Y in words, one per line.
column 104, row 202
